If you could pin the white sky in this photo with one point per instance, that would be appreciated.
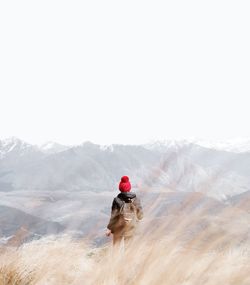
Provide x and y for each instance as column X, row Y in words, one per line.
column 124, row 71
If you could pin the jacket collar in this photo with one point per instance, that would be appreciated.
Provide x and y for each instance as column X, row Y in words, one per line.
column 125, row 196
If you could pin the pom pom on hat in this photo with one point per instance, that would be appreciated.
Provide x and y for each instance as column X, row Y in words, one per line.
column 124, row 185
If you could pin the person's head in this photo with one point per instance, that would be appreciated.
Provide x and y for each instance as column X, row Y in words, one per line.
column 124, row 185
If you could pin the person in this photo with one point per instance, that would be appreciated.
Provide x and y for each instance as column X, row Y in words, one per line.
column 126, row 211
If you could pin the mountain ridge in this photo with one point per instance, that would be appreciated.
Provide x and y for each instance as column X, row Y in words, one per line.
column 238, row 145
column 181, row 166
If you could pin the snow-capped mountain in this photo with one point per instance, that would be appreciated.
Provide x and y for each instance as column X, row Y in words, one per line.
column 238, row 145
column 177, row 165
column 52, row 147
column 19, row 147
column 235, row 145
column 14, row 145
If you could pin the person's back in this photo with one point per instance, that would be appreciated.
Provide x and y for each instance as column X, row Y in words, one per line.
column 125, row 213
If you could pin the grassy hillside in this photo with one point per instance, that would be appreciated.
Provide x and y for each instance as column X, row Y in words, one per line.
column 190, row 249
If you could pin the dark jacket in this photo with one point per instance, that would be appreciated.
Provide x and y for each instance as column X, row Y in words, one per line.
column 116, row 206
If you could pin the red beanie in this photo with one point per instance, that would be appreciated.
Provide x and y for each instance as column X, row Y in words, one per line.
column 124, row 185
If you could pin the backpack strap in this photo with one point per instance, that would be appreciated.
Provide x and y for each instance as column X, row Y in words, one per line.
column 119, row 202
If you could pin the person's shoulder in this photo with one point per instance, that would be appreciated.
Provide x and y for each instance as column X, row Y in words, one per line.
column 118, row 201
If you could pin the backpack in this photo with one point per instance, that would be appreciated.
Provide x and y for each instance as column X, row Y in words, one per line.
column 127, row 213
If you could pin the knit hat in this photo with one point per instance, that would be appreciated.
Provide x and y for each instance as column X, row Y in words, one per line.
column 124, row 185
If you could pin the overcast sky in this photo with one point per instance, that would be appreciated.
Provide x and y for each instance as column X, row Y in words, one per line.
column 124, row 71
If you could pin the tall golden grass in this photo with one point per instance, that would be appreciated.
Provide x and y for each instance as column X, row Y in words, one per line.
column 184, row 248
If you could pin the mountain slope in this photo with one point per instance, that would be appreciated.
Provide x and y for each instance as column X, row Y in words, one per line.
column 180, row 166
column 14, row 222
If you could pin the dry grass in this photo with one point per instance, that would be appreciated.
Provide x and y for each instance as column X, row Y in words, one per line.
column 47, row 261
column 185, row 249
